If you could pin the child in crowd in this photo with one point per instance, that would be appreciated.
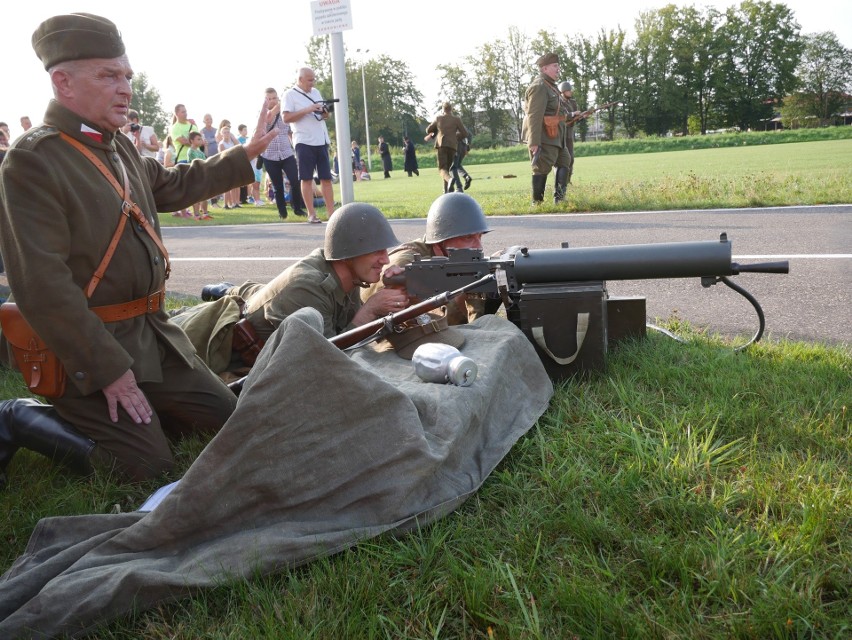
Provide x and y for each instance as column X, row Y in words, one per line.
column 226, row 141
column 196, row 152
column 254, row 188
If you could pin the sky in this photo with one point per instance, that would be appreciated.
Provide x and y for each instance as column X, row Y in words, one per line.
column 227, row 57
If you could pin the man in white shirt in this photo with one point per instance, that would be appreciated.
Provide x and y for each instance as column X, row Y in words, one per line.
column 143, row 136
column 306, row 114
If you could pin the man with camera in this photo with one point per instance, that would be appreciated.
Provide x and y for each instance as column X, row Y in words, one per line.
column 142, row 136
column 306, row 112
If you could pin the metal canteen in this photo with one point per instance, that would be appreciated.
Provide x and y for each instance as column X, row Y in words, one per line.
column 442, row 363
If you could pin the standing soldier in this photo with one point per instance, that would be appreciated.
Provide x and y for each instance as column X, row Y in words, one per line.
column 572, row 110
column 544, row 130
column 447, row 130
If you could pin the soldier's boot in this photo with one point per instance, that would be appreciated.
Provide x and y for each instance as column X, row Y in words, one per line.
column 538, row 185
column 215, row 291
column 561, row 185
column 29, row 424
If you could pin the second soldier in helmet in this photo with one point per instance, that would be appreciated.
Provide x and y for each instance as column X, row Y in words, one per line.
column 329, row 279
column 455, row 221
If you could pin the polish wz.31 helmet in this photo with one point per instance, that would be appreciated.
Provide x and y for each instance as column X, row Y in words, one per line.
column 565, row 86
column 452, row 215
column 357, row 229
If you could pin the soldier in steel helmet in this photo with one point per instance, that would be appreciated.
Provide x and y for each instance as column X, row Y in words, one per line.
column 329, row 279
column 572, row 110
column 455, row 221
column 546, row 144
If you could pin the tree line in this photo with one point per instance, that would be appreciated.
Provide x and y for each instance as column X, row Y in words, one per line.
column 683, row 70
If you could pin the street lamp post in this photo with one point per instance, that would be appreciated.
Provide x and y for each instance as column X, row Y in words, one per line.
column 366, row 114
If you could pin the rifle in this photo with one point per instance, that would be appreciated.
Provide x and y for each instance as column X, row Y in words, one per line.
column 572, row 121
column 377, row 329
column 520, row 269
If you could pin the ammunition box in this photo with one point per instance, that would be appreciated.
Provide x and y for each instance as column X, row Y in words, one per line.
column 626, row 318
column 567, row 324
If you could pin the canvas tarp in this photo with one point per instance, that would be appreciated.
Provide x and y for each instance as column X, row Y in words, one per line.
column 324, row 449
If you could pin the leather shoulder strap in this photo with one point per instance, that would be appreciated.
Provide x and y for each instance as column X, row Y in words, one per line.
column 128, row 208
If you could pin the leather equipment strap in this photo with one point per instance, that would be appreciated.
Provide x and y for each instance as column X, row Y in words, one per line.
column 128, row 208
column 126, row 310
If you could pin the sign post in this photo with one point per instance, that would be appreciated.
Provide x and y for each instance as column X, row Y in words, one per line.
column 331, row 18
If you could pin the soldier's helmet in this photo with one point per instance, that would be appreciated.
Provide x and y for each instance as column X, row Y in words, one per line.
column 357, row 229
column 452, row 215
column 565, row 86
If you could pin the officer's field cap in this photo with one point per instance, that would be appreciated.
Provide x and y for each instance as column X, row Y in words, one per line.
column 546, row 59
column 76, row 36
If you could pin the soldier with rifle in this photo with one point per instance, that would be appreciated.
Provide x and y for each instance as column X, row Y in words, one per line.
column 571, row 111
column 544, row 130
column 455, row 221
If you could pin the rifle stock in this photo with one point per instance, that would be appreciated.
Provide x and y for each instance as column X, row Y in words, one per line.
column 380, row 327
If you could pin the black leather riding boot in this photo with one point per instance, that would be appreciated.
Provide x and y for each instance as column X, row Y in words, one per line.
column 561, row 186
column 27, row 423
column 212, row 292
column 538, row 185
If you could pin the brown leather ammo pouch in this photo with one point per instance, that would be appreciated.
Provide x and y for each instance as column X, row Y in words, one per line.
column 245, row 342
column 551, row 125
column 42, row 370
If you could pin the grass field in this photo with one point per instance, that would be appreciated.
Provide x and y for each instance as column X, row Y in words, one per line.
column 688, row 492
column 752, row 176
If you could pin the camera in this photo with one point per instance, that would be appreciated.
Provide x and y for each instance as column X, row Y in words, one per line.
column 135, row 127
column 328, row 105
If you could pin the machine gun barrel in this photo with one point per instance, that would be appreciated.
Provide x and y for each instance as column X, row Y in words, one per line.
column 761, row 267
column 624, row 262
column 522, row 266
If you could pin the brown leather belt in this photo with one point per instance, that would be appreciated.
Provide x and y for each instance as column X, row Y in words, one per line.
column 126, row 310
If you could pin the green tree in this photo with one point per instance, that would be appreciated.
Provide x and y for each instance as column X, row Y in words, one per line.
column 652, row 72
column 610, row 73
column 825, row 75
column 518, row 74
column 146, row 100
column 458, row 89
column 489, row 68
column 762, row 49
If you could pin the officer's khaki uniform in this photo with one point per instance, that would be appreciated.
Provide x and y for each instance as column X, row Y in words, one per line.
column 58, row 214
column 543, row 99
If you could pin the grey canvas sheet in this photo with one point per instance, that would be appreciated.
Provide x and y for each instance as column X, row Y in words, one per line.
column 324, row 449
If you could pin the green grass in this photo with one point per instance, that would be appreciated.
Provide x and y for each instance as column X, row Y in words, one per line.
column 688, row 492
column 802, row 173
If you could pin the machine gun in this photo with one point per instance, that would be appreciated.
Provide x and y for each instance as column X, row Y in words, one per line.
column 537, row 285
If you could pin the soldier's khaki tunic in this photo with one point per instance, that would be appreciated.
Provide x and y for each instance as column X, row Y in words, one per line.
column 543, row 99
column 57, row 216
column 310, row 282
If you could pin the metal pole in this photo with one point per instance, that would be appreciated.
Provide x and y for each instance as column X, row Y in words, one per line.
column 366, row 119
column 341, row 118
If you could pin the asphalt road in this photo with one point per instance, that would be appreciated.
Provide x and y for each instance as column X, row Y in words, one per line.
column 811, row 303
